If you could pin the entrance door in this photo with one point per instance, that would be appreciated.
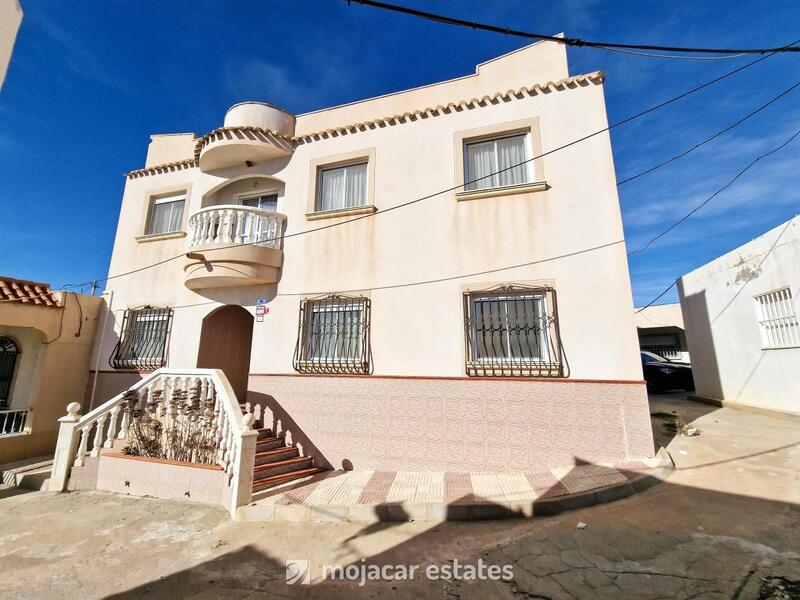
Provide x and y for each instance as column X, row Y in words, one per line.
column 225, row 341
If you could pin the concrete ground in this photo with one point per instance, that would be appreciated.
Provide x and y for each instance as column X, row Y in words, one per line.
column 725, row 525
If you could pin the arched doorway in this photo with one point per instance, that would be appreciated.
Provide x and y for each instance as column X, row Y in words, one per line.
column 225, row 341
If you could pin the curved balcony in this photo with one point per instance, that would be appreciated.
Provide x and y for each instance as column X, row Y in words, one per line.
column 237, row 146
column 232, row 245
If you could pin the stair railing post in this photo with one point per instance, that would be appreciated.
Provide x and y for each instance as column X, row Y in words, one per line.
column 242, row 483
column 65, row 448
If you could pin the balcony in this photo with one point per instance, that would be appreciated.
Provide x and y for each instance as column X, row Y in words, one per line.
column 232, row 245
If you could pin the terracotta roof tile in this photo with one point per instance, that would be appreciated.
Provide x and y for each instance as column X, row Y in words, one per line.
column 27, row 292
column 597, row 77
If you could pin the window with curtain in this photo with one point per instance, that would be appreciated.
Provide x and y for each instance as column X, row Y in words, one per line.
column 497, row 162
column 166, row 215
column 340, row 188
column 512, row 331
column 143, row 343
column 334, row 335
column 264, row 202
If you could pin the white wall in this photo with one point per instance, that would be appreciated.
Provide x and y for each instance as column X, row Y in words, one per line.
column 722, row 329
column 10, row 19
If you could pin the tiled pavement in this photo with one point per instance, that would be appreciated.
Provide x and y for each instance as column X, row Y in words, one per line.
column 437, row 495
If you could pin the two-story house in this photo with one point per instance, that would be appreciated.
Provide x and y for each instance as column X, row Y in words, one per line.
column 416, row 281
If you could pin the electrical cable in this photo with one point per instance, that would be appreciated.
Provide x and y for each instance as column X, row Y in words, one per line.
column 575, row 42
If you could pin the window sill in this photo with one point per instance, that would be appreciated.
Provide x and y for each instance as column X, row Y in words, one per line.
column 157, row 237
column 792, row 347
column 4, row 436
column 342, row 212
column 509, row 190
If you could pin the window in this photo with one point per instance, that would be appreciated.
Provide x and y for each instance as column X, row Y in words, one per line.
column 166, row 214
column 497, row 162
column 265, row 202
column 333, row 336
column 512, row 330
column 143, row 342
column 777, row 319
column 8, row 362
column 340, row 188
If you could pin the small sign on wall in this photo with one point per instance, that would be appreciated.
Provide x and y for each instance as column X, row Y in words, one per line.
column 261, row 310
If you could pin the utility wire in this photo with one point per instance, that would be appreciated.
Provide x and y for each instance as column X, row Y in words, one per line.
column 709, row 139
column 459, row 186
column 672, row 56
column 576, row 42
column 656, row 299
column 715, row 194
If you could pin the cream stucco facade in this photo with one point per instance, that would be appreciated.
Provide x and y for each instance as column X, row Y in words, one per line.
column 741, row 314
column 51, row 369
column 10, row 20
column 559, row 230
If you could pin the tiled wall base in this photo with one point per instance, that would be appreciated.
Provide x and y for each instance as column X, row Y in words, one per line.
column 412, row 424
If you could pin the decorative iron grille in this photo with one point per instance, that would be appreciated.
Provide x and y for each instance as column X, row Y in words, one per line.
column 144, row 339
column 8, row 361
column 333, row 336
column 512, row 331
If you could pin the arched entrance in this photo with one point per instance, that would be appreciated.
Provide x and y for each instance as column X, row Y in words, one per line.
column 225, row 341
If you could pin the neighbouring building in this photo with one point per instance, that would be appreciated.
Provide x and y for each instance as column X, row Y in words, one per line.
column 487, row 327
column 45, row 342
column 741, row 315
column 10, row 20
column 661, row 331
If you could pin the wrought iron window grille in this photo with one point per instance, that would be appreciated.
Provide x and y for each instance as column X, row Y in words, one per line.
column 144, row 339
column 9, row 351
column 333, row 336
column 512, row 331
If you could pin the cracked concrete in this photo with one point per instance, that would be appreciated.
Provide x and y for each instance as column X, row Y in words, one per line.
column 725, row 525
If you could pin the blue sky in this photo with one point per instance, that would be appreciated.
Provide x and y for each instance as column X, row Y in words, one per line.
column 89, row 82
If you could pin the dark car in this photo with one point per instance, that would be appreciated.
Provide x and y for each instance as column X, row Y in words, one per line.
column 663, row 374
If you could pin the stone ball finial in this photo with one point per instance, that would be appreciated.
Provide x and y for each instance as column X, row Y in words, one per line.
column 73, row 408
column 248, row 420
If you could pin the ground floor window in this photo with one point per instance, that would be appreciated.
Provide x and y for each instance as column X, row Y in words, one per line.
column 143, row 339
column 333, row 335
column 512, row 331
column 8, row 362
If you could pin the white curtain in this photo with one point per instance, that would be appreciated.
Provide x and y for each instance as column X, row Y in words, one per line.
column 480, row 163
column 344, row 187
column 511, row 151
column 167, row 217
column 355, row 186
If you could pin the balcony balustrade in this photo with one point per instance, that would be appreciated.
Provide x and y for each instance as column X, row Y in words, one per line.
column 232, row 245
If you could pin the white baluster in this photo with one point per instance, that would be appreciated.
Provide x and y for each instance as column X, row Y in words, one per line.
column 126, row 423
column 241, row 220
column 98, row 435
column 112, row 427
column 223, row 443
column 288, row 438
column 84, row 443
column 216, row 217
column 257, row 412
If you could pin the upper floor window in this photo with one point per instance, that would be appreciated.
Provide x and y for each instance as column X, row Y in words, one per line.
column 333, row 336
column 8, row 361
column 343, row 187
column 512, row 330
column 143, row 339
column 497, row 162
column 264, row 202
column 777, row 319
column 166, row 214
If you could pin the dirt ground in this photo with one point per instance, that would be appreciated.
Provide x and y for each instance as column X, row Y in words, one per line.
column 725, row 525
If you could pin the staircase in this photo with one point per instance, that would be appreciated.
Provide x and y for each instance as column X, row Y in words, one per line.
column 277, row 462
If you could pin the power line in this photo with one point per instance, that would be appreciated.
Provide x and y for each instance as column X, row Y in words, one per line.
column 575, row 42
column 656, row 299
column 715, row 194
column 671, row 56
column 458, row 186
column 709, row 139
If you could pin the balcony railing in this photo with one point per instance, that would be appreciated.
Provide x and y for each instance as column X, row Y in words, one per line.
column 227, row 225
column 12, row 421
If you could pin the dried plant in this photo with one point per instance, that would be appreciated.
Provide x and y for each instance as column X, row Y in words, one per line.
column 183, row 430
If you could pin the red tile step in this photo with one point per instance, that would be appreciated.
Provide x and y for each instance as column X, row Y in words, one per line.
column 282, row 467
column 276, row 455
column 266, row 482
